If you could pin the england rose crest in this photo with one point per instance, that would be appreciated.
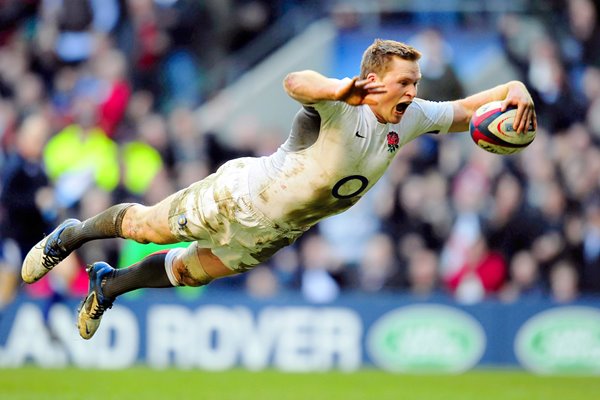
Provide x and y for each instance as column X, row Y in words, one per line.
column 392, row 141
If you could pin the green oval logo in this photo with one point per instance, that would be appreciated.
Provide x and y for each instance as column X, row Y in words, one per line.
column 561, row 341
column 426, row 338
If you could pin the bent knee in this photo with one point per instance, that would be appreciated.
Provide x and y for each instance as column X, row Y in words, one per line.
column 191, row 278
column 189, row 272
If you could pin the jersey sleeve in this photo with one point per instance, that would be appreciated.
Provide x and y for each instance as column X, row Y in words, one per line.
column 429, row 117
column 327, row 108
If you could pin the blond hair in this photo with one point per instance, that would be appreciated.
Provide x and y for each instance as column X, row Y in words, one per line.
column 377, row 56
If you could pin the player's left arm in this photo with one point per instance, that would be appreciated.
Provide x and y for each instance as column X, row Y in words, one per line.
column 513, row 93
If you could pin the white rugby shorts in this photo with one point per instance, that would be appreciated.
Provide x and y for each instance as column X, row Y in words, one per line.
column 217, row 212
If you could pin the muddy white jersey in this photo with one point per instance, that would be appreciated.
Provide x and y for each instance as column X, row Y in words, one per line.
column 335, row 153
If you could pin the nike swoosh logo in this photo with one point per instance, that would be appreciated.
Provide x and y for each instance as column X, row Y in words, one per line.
column 359, row 135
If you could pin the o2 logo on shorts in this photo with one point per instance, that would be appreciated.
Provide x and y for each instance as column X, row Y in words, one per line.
column 349, row 186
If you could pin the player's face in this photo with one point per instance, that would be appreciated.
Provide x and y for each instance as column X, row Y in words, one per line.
column 400, row 82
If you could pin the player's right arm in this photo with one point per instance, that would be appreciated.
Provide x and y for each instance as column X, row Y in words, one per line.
column 310, row 87
column 511, row 93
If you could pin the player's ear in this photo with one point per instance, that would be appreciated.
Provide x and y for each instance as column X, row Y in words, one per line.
column 372, row 77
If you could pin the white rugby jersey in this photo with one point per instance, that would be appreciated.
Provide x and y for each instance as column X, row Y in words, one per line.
column 335, row 153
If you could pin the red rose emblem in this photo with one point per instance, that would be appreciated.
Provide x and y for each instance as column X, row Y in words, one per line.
column 392, row 141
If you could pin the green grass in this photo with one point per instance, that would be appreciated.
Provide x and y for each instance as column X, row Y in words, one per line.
column 148, row 384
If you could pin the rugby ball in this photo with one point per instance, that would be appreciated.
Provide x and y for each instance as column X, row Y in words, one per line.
column 492, row 130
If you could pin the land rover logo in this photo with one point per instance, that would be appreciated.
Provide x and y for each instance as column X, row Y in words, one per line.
column 561, row 341
column 426, row 338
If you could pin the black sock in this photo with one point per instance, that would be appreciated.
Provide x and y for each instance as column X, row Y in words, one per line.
column 148, row 273
column 105, row 225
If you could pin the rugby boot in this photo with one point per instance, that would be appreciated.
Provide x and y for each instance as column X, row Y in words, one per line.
column 46, row 254
column 95, row 303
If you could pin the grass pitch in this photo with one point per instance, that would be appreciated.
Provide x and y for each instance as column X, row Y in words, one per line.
column 148, row 384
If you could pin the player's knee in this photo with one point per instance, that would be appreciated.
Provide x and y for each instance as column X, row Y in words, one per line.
column 190, row 273
column 193, row 278
column 144, row 225
column 132, row 224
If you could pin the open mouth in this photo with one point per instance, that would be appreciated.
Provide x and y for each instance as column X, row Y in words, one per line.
column 401, row 107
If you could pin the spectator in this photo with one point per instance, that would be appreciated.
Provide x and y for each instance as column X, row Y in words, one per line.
column 317, row 283
column 81, row 156
column 30, row 94
column 27, row 198
column 440, row 81
column 286, row 267
column 564, row 282
column 525, row 281
column 408, row 215
column 590, row 279
column 261, row 283
column 482, row 274
column 252, row 17
column 584, row 26
column 8, row 127
column 378, row 269
column 73, row 20
column 551, row 87
column 144, row 39
column 512, row 224
column 188, row 144
column 422, row 274
column 152, row 131
column 115, row 90
column 469, row 193
column 29, row 211
column 551, row 244
column 140, row 163
column 10, row 260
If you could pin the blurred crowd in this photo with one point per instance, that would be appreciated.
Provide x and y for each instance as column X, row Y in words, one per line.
column 97, row 104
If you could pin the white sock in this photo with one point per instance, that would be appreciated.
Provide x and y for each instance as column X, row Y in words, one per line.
column 169, row 265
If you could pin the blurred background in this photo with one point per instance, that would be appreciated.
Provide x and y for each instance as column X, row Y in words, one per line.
column 456, row 258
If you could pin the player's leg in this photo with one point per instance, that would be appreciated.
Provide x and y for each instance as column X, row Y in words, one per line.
column 177, row 267
column 130, row 221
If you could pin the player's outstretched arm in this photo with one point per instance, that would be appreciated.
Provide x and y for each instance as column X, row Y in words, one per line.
column 513, row 93
column 309, row 87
